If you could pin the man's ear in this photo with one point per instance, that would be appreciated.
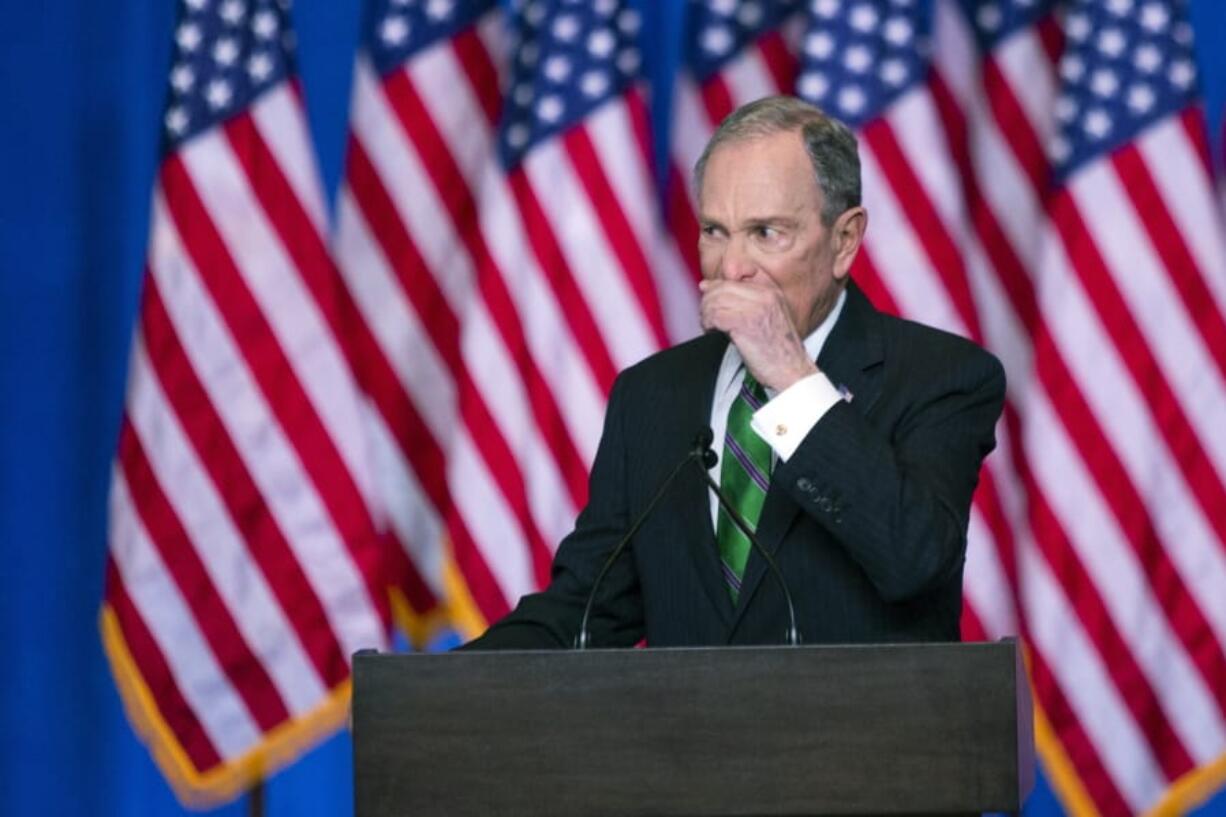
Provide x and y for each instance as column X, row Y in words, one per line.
column 847, row 235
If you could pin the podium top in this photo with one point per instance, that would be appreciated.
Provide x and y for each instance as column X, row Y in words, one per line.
column 895, row 729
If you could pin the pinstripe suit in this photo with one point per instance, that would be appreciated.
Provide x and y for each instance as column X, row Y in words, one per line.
column 867, row 519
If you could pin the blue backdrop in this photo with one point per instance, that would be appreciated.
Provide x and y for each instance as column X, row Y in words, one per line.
column 81, row 88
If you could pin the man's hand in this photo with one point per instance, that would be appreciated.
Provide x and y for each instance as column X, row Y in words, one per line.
column 755, row 316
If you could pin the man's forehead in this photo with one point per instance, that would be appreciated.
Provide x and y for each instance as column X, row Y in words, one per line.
column 774, row 168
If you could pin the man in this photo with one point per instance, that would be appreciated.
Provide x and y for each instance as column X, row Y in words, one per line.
column 851, row 440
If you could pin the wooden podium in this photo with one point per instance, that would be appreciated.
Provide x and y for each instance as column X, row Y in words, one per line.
column 912, row 729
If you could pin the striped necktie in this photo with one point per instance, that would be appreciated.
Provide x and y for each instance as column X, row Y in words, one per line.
column 744, row 478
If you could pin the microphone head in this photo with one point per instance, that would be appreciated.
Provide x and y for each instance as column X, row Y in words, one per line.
column 702, row 447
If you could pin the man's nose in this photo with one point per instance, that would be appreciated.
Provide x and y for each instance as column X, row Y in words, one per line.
column 737, row 264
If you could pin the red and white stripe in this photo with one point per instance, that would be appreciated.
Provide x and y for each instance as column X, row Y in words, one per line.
column 502, row 304
column 245, row 564
column 1096, row 531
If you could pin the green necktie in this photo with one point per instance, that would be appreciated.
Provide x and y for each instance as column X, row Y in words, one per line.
column 744, row 477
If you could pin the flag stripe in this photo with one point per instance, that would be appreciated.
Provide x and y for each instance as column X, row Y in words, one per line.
column 176, row 633
column 156, row 675
column 272, row 372
column 222, row 458
column 167, row 537
column 180, row 489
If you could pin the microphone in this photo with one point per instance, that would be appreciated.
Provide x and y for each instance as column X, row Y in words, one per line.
column 700, row 452
column 709, row 458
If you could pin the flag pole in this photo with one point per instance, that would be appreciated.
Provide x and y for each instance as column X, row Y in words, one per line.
column 255, row 799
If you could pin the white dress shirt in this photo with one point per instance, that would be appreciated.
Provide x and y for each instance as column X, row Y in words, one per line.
column 787, row 416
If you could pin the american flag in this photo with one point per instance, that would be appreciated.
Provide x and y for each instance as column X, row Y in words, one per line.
column 507, row 260
column 1037, row 178
column 245, row 565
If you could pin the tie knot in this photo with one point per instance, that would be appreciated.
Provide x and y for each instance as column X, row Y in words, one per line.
column 753, row 389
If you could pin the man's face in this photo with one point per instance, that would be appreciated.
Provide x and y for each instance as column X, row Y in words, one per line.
column 760, row 217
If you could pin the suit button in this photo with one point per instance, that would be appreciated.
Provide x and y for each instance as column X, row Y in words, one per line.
column 805, row 484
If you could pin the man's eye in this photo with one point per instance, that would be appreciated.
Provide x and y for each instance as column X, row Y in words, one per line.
column 710, row 230
column 769, row 233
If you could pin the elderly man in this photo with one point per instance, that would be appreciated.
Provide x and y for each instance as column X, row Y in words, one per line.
column 849, row 439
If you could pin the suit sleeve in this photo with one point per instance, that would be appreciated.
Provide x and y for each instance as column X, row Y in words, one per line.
column 550, row 619
column 898, row 500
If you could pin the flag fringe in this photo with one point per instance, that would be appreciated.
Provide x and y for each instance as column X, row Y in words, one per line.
column 201, row 790
column 457, row 609
column 1183, row 795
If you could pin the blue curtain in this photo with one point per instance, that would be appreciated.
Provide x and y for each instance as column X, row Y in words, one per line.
column 81, row 90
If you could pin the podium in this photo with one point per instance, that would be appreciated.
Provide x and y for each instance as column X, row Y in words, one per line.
column 906, row 729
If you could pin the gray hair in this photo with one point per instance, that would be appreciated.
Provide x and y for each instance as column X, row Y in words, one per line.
column 830, row 144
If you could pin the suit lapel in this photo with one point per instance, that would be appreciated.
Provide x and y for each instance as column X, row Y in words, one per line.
column 694, row 503
column 850, row 358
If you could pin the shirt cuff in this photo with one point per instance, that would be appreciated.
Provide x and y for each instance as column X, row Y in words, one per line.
column 787, row 419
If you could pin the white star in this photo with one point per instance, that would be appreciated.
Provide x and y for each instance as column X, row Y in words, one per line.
column 1104, row 82
column 715, row 39
column 529, row 54
column 1059, row 149
column 188, row 36
column 628, row 61
column 813, row 85
column 601, row 43
column 1183, row 33
column 1066, row 108
column 517, row 136
column 1077, row 27
column 550, row 108
column 629, row 22
column 825, row 8
column 897, row 31
column 1112, row 42
column 1072, row 68
column 289, row 40
column 1141, row 98
column 819, row 45
column 1154, row 17
column 863, row 18
column 265, row 25
column 557, row 68
column 1182, row 74
column 749, row 15
column 218, row 94
column 523, row 95
column 535, row 13
column 259, row 66
column 852, row 100
column 724, row 8
column 566, row 28
column 1119, row 8
column 225, row 52
column 438, row 10
column 857, row 58
column 182, row 78
column 605, row 8
column 894, row 72
column 197, row 5
column 394, row 31
column 989, row 17
column 1147, row 58
column 594, row 83
column 1097, row 123
column 177, row 120
column 232, row 11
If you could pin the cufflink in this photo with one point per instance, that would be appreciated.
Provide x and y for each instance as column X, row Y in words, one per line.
column 780, row 430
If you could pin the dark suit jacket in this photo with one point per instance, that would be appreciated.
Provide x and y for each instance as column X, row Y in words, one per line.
column 867, row 519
